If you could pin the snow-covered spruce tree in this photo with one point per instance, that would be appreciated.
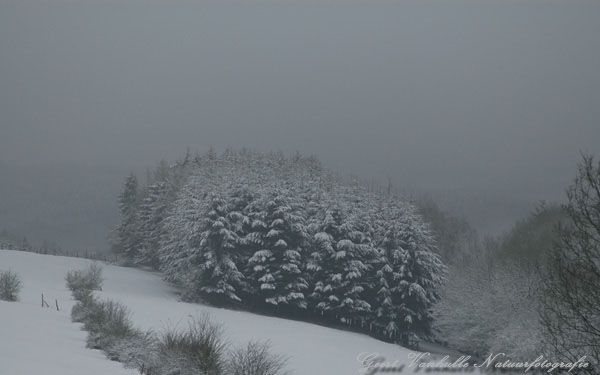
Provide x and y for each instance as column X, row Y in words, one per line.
column 183, row 230
column 421, row 274
column 359, row 266
column 215, row 276
column 153, row 212
column 406, row 273
column 279, row 236
column 319, row 265
column 340, row 282
column 387, row 297
column 185, row 222
column 127, row 242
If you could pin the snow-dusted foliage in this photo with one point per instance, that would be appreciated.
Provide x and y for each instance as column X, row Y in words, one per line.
column 10, row 286
column 281, row 234
column 213, row 256
column 342, row 277
column 127, row 241
column 154, row 209
column 277, row 238
column 491, row 307
column 83, row 282
column 256, row 359
column 570, row 293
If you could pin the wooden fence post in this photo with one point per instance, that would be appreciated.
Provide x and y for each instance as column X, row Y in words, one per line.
column 44, row 303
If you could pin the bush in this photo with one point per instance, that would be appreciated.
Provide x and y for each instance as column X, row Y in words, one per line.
column 256, row 359
column 81, row 310
column 82, row 282
column 138, row 351
column 107, row 322
column 109, row 318
column 10, row 286
column 199, row 349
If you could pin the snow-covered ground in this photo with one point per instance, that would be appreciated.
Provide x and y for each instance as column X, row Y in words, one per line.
column 36, row 340
column 44, row 341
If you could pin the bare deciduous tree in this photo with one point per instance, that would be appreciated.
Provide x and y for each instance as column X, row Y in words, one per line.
column 570, row 310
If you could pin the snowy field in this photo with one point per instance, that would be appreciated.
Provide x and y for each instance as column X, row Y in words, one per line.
column 44, row 341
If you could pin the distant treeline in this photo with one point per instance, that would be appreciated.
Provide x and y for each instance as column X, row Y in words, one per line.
column 11, row 241
column 533, row 290
column 70, row 206
column 282, row 235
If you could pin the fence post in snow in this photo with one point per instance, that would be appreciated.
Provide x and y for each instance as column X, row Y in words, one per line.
column 44, row 303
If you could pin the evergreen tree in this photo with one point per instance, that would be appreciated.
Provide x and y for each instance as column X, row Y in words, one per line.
column 389, row 313
column 276, row 267
column 153, row 212
column 215, row 274
column 128, row 233
column 421, row 273
column 183, row 230
column 341, row 285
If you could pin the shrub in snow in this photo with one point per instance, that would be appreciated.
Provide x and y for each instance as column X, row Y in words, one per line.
column 83, row 282
column 106, row 321
column 108, row 318
column 82, row 294
column 137, row 350
column 10, row 286
column 80, row 311
column 197, row 350
column 110, row 329
column 256, row 359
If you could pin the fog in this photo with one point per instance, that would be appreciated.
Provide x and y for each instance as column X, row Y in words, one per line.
column 482, row 100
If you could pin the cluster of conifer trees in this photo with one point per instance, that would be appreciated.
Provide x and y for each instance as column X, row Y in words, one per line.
column 282, row 235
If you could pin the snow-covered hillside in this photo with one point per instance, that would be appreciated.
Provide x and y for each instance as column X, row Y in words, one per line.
column 44, row 341
column 36, row 340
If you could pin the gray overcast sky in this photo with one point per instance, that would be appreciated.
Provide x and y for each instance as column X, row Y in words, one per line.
column 432, row 93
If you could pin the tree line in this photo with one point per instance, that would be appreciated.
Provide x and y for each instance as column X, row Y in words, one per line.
column 533, row 290
column 281, row 234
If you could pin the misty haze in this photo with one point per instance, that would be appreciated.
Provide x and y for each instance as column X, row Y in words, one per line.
column 457, row 98
column 130, row 130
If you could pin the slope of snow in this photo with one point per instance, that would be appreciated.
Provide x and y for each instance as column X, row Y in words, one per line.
column 45, row 339
column 36, row 340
